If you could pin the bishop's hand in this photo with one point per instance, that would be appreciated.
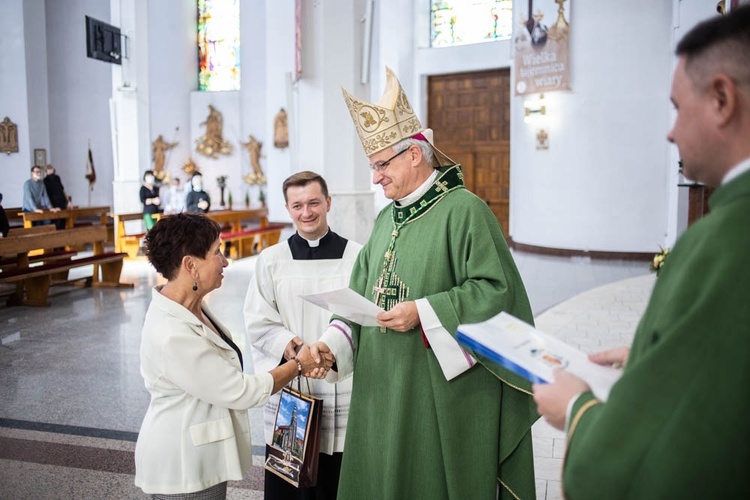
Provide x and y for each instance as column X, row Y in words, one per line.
column 403, row 317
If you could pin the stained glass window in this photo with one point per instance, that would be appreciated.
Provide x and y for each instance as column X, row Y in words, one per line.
column 460, row 22
column 219, row 45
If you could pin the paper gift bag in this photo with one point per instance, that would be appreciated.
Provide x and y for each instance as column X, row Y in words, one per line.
column 293, row 453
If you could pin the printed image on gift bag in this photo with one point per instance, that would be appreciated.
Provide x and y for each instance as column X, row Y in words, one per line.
column 293, row 453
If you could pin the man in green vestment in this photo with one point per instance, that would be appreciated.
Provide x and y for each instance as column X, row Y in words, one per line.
column 425, row 421
column 676, row 423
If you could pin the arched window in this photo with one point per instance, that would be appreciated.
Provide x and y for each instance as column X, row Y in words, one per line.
column 460, row 22
column 218, row 45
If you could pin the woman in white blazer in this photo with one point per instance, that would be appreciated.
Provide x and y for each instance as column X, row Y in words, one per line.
column 195, row 435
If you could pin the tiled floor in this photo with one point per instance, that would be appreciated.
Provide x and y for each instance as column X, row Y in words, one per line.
column 72, row 399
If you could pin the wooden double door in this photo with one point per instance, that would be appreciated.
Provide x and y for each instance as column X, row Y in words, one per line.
column 470, row 116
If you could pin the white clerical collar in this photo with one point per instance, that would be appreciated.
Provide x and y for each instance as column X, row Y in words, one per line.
column 313, row 243
column 736, row 171
column 417, row 194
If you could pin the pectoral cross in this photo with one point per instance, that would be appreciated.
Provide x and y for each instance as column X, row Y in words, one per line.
column 379, row 291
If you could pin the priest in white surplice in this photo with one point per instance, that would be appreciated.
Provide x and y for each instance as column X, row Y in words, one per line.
column 277, row 320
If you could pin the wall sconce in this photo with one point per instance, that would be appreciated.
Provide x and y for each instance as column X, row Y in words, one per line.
column 534, row 107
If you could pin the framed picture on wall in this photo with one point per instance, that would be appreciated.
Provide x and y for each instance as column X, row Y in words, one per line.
column 40, row 157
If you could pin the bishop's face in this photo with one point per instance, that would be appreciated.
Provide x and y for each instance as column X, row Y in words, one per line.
column 308, row 208
column 398, row 174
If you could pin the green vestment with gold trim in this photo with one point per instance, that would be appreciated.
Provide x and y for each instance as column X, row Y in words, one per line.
column 411, row 433
column 676, row 424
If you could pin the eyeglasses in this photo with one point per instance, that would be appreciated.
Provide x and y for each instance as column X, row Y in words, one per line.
column 380, row 166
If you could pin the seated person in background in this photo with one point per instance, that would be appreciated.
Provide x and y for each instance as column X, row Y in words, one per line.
column 197, row 200
column 174, row 197
column 35, row 197
column 150, row 199
column 4, row 225
column 56, row 193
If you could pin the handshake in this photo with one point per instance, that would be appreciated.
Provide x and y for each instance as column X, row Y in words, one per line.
column 316, row 359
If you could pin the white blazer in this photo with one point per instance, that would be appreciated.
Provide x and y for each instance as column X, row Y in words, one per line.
column 196, row 432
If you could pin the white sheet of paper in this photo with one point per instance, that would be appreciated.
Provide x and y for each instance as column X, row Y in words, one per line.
column 534, row 354
column 347, row 303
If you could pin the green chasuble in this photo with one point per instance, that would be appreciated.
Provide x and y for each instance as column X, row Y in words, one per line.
column 411, row 433
column 676, row 424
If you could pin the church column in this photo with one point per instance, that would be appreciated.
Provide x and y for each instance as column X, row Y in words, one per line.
column 129, row 105
column 344, row 161
column 321, row 135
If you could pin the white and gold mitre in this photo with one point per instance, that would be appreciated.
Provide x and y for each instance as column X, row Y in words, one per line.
column 382, row 125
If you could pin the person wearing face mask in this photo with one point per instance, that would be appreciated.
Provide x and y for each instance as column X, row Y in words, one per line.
column 150, row 199
column 174, row 198
column 197, row 200
column 35, row 197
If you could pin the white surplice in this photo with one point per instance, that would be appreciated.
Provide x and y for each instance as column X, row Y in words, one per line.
column 275, row 314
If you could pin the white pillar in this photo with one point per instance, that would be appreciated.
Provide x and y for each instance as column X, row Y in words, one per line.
column 129, row 106
column 332, row 57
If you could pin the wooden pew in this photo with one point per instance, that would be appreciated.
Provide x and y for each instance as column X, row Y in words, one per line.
column 8, row 262
column 126, row 242
column 70, row 215
column 14, row 219
column 250, row 241
column 33, row 282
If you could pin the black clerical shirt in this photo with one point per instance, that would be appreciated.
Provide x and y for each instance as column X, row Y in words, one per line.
column 331, row 246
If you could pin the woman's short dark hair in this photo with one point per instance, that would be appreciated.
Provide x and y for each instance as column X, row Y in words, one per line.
column 176, row 236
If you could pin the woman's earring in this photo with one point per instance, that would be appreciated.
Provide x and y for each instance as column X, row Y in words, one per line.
column 195, row 286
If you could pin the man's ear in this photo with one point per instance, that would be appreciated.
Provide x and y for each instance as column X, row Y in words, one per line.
column 415, row 155
column 723, row 92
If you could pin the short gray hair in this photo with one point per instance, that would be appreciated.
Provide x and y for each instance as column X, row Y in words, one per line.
column 427, row 152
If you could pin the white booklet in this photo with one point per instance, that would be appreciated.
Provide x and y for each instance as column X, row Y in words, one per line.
column 346, row 303
column 533, row 354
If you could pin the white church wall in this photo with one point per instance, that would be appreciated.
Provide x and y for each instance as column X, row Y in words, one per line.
column 321, row 135
column 279, row 17
column 172, row 76
column 601, row 185
column 15, row 166
column 79, row 92
column 35, row 45
column 130, row 105
column 253, row 114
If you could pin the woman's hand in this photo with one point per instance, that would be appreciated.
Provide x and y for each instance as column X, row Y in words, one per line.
column 314, row 366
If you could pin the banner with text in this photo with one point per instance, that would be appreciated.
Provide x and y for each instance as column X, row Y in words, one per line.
column 540, row 45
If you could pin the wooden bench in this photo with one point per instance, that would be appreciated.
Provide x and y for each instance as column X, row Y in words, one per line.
column 33, row 282
column 250, row 241
column 129, row 243
column 8, row 262
column 69, row 215
column 20, row 230
column 14, row 220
